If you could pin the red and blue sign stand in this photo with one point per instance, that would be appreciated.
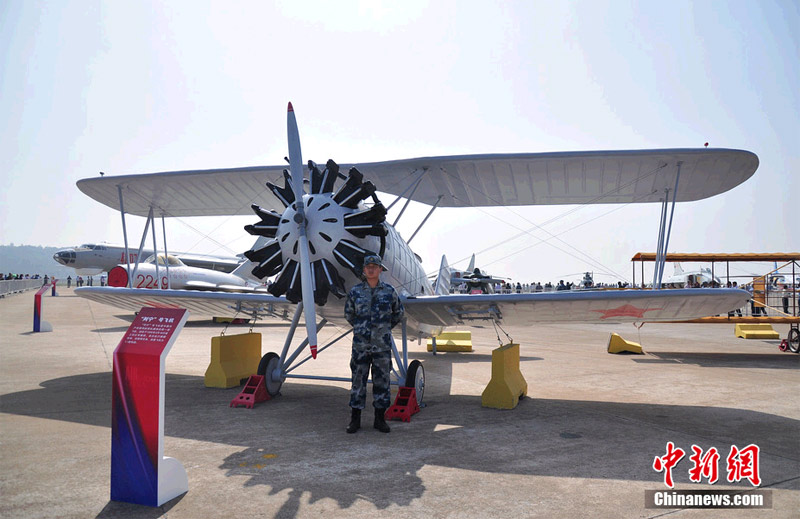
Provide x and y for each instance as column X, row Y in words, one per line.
column 140, row 473
column 38, row 324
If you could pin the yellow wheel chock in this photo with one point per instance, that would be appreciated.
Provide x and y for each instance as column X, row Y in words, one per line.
column 617, row 344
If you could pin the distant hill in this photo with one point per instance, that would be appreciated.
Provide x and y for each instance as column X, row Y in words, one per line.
column 32, row 259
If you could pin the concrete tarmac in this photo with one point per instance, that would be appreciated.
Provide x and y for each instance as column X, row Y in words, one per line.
column 582, row 444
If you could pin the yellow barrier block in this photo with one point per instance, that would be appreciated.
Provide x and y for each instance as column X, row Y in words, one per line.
column 507, row 385
column 617, row 344
column 452, row 341
column 237, row 320
column 233, row 357
column 756, row 331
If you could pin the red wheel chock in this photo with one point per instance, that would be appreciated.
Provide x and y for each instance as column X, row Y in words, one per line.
column 405, row 405
column 254, row 392
column 784, row 345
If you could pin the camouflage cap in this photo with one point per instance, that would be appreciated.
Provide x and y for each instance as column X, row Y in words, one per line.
column 373, row 259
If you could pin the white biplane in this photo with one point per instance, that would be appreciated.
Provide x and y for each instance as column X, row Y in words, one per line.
column 317, row 240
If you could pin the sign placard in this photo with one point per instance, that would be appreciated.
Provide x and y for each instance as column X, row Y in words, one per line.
column 139, row 471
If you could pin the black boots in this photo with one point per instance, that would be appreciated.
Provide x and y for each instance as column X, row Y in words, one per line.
column 355, row 421
column 380, row 421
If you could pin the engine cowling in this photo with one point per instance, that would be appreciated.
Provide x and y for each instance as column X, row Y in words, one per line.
column 340, row 227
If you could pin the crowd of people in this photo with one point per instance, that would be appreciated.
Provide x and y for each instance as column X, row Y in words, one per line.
column 79, row 280
column 88, row 281
column 774, row 292
column 509, row 287
column 11, row 276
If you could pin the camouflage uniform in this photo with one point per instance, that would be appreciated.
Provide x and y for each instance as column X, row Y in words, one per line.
column 372, row 312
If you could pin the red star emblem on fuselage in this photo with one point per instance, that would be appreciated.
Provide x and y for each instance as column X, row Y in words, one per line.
column 625, row 310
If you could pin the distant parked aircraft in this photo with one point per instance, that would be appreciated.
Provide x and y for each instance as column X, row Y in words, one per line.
column 94, row 258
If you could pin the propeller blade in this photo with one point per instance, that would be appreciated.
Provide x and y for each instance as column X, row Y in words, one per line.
column 306, row 281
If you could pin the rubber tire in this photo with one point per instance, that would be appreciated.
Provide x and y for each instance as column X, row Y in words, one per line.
column 269, row 363
column 794, row 340
column 415, row 377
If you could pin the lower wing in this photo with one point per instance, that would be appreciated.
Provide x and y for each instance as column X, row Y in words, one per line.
column 598, row 306
column 199, row 303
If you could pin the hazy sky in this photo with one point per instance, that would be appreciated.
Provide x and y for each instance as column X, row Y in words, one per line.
column 138, row 87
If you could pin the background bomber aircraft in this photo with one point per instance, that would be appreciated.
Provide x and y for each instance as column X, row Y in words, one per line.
column 317, row 240
column 94, row 258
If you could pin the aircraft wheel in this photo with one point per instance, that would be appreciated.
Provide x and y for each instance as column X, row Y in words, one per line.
column 794, row 340
column 415, row 377
column 269, row 363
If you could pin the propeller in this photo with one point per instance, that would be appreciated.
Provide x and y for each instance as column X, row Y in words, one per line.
column 306, row 281
column 316, row 231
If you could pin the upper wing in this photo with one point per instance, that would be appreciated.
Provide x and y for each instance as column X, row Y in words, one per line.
column 576, row 306
column 462, row 181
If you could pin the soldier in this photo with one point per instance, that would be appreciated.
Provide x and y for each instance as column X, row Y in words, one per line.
column 373, row 309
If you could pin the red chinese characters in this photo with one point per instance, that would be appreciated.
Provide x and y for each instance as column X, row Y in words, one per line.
column 704, row 466
column 667, row 462
column 743, row 464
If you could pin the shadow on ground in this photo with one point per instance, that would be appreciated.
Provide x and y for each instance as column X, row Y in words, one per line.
column 777, row 360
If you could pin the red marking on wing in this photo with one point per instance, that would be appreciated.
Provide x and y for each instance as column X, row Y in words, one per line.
column 625, row 310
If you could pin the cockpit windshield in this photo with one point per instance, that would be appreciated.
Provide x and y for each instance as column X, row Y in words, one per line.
column 164, row 260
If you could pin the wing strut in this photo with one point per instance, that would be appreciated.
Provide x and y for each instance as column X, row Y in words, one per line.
column 124, row 234
column 408, row 200
column 663, row 241
column 426, row 218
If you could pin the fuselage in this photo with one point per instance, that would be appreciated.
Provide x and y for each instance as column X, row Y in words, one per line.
column 91, row 258
column 178, row 276
column 689, row 278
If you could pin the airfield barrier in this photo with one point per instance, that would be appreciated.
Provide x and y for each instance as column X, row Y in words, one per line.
column 13, row 286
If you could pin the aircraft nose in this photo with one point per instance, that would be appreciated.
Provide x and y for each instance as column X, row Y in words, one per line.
column 64, row 257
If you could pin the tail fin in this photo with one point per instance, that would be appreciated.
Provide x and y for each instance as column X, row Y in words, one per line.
column 442, row 285
column 678, row 268
column 471, row 264
column 245, row 268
